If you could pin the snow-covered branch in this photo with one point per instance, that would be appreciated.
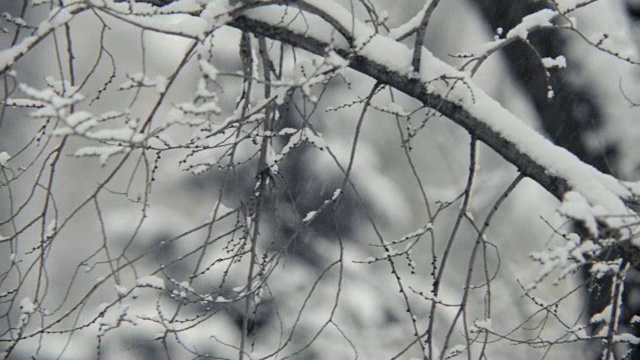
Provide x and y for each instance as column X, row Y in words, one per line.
column 320, row 26
column 455, row 95
column 57, row 17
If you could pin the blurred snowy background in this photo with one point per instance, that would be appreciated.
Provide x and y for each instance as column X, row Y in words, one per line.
column 170, row 280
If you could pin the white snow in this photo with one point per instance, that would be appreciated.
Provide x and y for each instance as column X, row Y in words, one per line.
column 102, row 152
column 602, row 316
column 600, row 269
column 394, row 108
column 335, row 60
column 4, row 158
column 336, row 194
column 24, row 103
column 51, row 229
column 216, row 13
column 208, row 69
column 410, row 25
column 124, row 134
column 206, row 108
column 309, row 216
column 222, row 299
column 121, row 290
column 139, row 79
column 626, row 338
column 575, row 206
column 539, row 19
column 56, row 18
column 557, row 62
column 297, row 137
column 27, row 306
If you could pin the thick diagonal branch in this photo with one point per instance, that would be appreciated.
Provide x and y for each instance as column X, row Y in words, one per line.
column 416, row 89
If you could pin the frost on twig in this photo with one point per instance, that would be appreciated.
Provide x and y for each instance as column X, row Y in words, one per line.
column 564, row 259
column 57, row 17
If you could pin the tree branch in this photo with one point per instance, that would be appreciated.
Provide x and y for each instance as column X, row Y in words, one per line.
column 454, row 95
column 442, row 88
column 507, row 148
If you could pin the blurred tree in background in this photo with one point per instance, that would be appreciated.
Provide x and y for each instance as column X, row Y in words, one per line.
column 293, row 179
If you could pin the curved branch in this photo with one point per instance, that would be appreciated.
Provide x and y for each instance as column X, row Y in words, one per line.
column 444, row 89
column 483, row 117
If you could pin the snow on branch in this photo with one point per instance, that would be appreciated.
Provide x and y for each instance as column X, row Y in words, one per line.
column 320, row 26
column 326, row 26
column 57, row 17
column 455, row 95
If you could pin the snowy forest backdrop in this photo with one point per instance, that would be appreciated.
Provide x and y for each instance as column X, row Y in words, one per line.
column 261, row 179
